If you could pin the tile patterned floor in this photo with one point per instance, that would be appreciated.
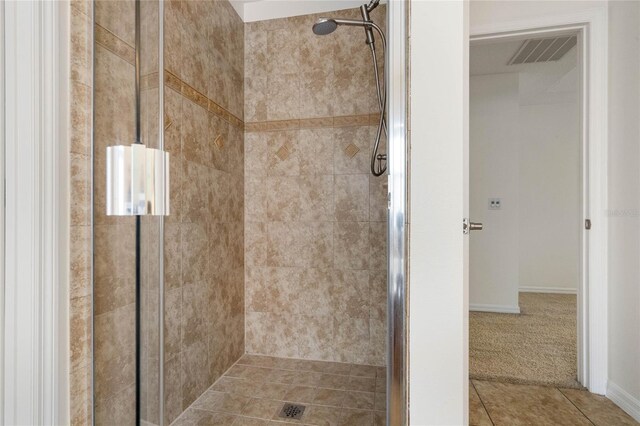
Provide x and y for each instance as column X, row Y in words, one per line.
column 495, row 403
column 254, row 390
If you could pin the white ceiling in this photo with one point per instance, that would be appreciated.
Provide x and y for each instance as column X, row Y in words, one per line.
column 238, row 5
column 492, row 58
column 261, row 10
column 539, row 82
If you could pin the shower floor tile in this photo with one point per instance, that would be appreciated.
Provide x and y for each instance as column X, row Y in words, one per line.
column 254, row 390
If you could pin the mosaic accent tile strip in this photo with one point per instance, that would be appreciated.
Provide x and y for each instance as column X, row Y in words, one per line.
column 111, row 42
column 149, row 81
column 174, row 82
column 120, row 48
column 313, row 123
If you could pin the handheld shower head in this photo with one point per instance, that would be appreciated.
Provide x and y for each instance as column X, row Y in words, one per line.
column 324, row 26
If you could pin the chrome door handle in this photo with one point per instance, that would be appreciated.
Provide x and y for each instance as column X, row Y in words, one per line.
column 475, row 226
column 468, row 226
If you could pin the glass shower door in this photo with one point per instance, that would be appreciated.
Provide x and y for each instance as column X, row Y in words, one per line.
column 151, row 244
column 127, row 280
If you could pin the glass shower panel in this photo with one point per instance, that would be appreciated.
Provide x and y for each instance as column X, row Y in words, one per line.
column 127, row 316
column 114, row 237
column 151, row 227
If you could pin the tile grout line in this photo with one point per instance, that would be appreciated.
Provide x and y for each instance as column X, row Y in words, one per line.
column 307, row 360
column 482, row 402
column 577, row 408
column 304, row 371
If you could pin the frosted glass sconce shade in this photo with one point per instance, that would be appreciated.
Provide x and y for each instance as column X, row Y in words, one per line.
column 137, row 181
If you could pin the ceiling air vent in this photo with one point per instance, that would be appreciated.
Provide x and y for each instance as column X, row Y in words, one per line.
column 543, row 50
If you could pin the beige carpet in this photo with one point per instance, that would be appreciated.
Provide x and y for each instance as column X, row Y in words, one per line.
column 538, row 346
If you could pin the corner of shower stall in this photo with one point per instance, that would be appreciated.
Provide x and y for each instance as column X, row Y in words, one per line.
column 168, row 309
column 268, row 279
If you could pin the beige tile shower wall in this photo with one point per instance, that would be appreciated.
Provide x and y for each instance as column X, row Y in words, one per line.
column 315, row 220
column 204, row 236
column 80, row 55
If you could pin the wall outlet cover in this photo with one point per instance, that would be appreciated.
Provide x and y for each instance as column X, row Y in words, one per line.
column 495, row 204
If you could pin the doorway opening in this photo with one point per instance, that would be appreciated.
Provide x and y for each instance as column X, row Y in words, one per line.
column 527, row 178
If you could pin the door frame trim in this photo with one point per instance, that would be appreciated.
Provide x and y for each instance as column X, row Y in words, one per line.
column 35, row 275
column 592, row 294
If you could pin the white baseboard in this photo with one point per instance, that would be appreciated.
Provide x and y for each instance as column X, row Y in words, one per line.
column 624, row 400
column 500, row 309
column 555, row 290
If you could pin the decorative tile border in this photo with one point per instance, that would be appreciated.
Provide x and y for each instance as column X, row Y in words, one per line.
column 149, row 81
column 174, row 82
column 125, row 51
column 311, row 123
column 111, row 42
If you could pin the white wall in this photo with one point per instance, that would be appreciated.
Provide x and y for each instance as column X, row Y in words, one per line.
column 438, row 321
column 624, row 204
column 525, row 150
column 494, row 172
column 550, row 213
column 490, row 12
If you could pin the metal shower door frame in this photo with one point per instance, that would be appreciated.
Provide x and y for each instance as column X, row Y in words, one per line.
column 396, row 82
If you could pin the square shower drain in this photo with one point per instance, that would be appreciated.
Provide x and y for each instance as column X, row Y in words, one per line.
column 292, row 411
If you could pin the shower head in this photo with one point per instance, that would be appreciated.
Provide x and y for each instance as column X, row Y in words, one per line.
column 324, row 26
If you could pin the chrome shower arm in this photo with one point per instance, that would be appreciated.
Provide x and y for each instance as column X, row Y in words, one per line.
column 358, row 23
column 353, row 22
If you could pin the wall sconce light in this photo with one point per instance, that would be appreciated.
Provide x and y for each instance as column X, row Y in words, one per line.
column 137, row 181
